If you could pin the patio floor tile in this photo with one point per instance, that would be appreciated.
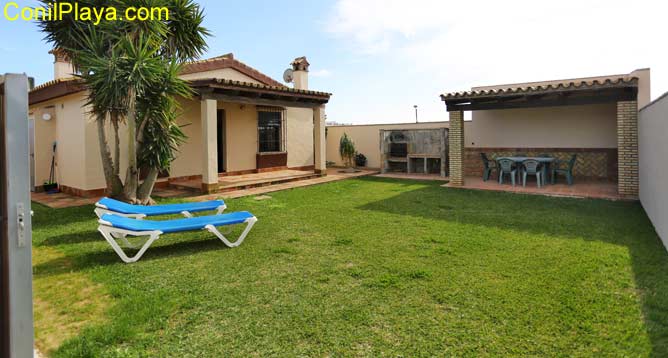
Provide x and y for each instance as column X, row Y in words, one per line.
column 580, row 189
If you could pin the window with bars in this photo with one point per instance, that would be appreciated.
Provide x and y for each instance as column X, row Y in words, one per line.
column 270, row 130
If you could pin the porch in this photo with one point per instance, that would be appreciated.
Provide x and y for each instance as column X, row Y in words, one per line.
column 252, row 135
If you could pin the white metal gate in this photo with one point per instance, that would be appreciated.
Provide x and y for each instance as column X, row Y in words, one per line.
column 15, row 233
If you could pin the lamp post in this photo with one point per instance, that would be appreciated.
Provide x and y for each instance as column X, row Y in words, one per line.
column 416, row 117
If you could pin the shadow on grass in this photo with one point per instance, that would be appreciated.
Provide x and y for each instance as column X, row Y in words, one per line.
column 79, row 237
column 43, row 216
column 107, row 256
column 619, row 223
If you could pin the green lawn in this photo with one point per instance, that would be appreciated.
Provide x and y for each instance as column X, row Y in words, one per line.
column 364, row 267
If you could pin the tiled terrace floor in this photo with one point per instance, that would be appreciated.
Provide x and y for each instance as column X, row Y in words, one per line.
column 61, row 200
column 580, row 189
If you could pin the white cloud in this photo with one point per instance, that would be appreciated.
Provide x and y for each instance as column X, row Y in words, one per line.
column 459, row 44
column 372, row 25
column 321, row 73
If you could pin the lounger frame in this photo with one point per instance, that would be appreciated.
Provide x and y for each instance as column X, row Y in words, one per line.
column 111, row 233
column 101, row 209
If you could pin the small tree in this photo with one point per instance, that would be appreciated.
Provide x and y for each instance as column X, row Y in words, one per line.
column 347, row 151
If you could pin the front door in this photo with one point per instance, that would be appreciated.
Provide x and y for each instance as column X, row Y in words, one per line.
column 221, row 139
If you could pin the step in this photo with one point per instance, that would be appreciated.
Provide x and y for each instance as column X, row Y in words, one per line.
column 265, row 182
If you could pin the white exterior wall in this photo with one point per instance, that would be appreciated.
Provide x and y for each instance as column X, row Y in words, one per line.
column 188, row 159
column 70, row 135
column 653, row 151
column 299, row 143
column 585, row 126
column 367, row 139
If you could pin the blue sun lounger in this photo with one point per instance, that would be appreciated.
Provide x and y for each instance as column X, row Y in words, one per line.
column 111, row 206
column 115, row 226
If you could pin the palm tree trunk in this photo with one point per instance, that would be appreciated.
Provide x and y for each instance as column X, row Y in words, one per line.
column 114, row 184
column 117, row 146
column 146, row 188
column 132, row 175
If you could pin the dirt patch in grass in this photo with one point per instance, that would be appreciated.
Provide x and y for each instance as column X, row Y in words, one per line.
column 64, row 300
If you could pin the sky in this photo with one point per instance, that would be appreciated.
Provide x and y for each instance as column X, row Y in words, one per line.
column 379, row 58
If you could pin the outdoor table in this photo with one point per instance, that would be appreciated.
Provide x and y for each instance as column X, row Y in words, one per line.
column 545, row 161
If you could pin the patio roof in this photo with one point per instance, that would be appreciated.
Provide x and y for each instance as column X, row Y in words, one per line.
column 252, row 93
column 545, row 94
column 54, row 89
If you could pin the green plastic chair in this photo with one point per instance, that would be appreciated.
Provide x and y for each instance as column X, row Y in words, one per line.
column 566, row 170
column 531, row 167
column 547, row 167
column 488, row 167
column 507, row 166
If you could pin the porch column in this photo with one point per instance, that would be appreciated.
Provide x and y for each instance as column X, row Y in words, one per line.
column 456, row 148
column 319, row 140
column 209, row 145
column 627, row 148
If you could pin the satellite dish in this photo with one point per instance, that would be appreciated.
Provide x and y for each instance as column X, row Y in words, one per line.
column 288, row 76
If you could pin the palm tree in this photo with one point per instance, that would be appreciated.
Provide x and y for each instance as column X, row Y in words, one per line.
column 130, row 69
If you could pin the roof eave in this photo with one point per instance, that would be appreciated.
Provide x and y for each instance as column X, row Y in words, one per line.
column 537, row 90
column 245, row 89
column 57, row 89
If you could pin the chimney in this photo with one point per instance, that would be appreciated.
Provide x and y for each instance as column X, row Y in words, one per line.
column 300, row 72
column 62, row 67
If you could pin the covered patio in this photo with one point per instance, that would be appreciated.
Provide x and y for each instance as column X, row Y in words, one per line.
column 591, row 122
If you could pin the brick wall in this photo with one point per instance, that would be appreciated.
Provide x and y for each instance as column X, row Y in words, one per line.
column 456, row 148
column 627, row 143
column 596, row 163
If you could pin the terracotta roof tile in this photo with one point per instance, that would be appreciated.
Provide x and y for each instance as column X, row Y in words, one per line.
column 548, row 86
column 53, row 82
column 54, row 89
column 228, row 61
column 249, row 85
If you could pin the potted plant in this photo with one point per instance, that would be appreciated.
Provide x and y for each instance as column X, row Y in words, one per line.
column 347, row 152
column 360, row 160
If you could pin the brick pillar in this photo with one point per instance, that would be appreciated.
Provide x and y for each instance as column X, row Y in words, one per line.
column 627, row 148
column 456, row 148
